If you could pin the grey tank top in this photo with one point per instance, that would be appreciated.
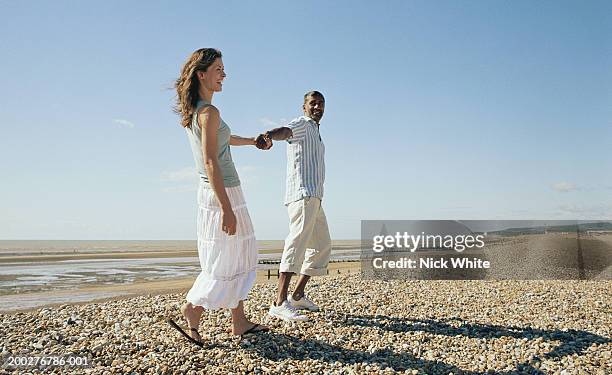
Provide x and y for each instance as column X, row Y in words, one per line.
column 226, row 164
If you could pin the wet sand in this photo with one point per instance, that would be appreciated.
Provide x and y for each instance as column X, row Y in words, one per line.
column 32, row 301
column 532, row 257
column 40, row 251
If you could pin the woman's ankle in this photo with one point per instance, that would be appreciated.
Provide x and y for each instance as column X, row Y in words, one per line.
column 186, row 307
column 241, row 326
column 239, row 320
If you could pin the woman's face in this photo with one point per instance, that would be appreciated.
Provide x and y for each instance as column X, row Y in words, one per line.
column 213, row 77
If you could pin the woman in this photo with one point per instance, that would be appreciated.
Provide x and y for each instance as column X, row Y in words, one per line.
column 226, row 241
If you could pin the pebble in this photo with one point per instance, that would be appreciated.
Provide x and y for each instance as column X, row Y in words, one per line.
column 364, row 326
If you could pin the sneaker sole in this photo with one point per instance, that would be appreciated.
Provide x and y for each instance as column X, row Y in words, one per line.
column 307, row 308
column 298, row 307
column 286, row 318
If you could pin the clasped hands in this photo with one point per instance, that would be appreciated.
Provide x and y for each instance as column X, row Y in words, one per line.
column 263, row 142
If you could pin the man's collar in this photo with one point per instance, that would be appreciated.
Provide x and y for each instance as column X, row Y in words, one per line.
column 309, row 119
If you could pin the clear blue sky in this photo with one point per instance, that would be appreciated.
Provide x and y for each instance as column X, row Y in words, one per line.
column 435, row 110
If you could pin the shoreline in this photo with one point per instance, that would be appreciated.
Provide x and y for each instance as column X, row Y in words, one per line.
column 82, row 278
column 24, row 250
column 58, row 257
column 139, row 288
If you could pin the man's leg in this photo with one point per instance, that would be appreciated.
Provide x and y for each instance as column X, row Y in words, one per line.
column 283, row 287
column 318, row 253
column 302, row 220
column 299, row 288
column 298, row 293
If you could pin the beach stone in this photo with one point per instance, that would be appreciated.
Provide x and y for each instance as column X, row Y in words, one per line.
column 488, row 327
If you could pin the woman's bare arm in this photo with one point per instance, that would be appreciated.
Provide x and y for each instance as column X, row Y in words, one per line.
column 236, row 140
column 209, row 121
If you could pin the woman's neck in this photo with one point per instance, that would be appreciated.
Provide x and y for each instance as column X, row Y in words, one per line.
column 206, row 95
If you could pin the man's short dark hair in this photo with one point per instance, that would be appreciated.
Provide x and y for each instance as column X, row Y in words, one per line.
column 313, row 93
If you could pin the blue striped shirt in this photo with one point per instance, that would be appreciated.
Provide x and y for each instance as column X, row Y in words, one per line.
column 305, row 160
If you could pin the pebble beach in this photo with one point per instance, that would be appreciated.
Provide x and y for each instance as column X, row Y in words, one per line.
column 364, row 327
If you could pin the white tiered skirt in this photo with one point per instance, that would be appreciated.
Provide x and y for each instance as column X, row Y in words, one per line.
column 228, row 262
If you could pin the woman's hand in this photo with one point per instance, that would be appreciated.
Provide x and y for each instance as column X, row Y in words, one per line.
column 263, row 142
column 228, row 222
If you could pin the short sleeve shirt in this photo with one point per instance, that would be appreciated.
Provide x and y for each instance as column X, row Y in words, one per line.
column 305, row 160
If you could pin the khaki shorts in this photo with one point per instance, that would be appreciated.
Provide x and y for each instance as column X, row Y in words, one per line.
column 308, row 245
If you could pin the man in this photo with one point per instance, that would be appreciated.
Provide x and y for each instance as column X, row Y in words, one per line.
column 308, row 245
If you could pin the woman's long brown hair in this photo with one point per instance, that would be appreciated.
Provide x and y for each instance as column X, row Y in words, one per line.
column 187, row 85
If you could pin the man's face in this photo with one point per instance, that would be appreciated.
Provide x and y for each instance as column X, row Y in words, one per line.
column 314, row 106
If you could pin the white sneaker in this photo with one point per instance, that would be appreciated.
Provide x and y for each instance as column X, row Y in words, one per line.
column 303, row 304
column 286, row 312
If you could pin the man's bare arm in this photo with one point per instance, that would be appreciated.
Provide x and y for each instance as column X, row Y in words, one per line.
column 279, row 134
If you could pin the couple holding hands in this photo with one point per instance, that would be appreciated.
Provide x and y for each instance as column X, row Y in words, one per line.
column 227, row 247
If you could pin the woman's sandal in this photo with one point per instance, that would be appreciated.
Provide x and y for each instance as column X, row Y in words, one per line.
column 257, row 328
column 178, row 328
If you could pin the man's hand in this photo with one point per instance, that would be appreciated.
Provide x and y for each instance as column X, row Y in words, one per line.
column 263, row 142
